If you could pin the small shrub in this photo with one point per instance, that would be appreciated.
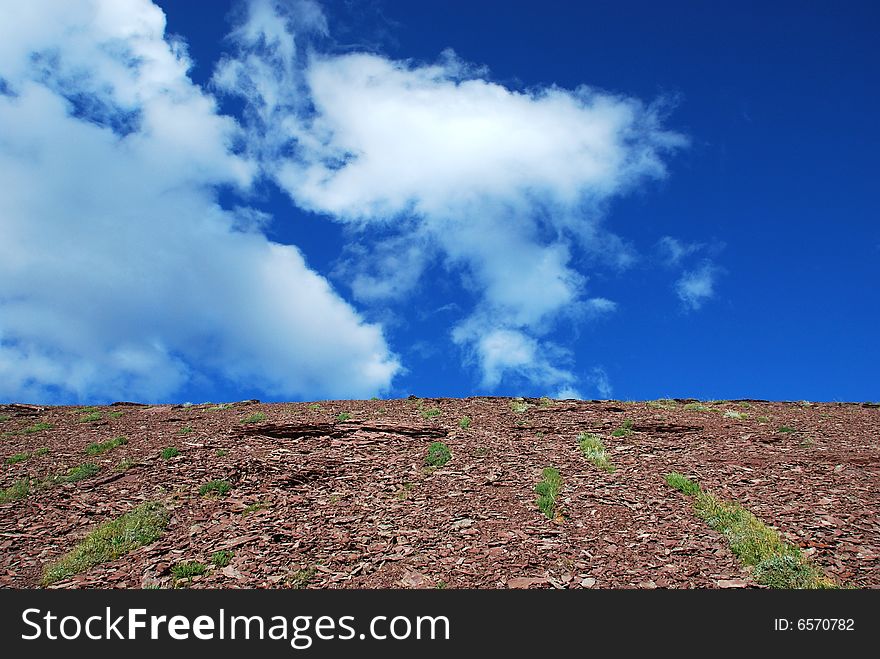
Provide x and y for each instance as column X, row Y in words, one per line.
column 438, row 454
column 343, row 416
column 18, row 490
column 256, row 417
column 696, row 407
column 519, row 406
column 464, row 423
column 218, row 487
column 733, row 414
column 547, row 489
column 219, row 408
column 188, row 569
column 169, row 452
column 93, row 416
column 139, row 527
column 18, row 457
column 624, row 430
column 221, row 558
column 80, row 472
column 593, row 450
column 96, row 448
column 663, row 404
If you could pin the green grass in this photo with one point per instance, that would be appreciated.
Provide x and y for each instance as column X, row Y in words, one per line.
column 221, row 452
column 218, row 487
column 663, row 404
column 696, row 407
column 125, row 464
column 37, row 427
column 786, row 429
column 624, row 430
column 438, row 454
column 139, row 527
column 188, row 569
column 85, row 410
column 763, row 419
column 464, row 423
column 593, row 450
column 44, row 450
column 545, row 401
column 256, row 417
column 115, row 414
column 219, row 408
column 221, row 558
column 519, row 406
column 96, row 448
column 186, row 430
column 170, row 452
column 315, row 406
column 92, row 416
column 682, row 483
column 430, row 413
column 254, row 507
column 18, row 457
column 80, row 472
column 547, row 489
column 18, row 490
column 4, row 417
column 301, row 578
column 775, row 562
column 343, row 416
column 733, row 414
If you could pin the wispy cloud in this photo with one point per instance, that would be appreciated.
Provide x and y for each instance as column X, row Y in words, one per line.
column 673, row 250
column 120, row 274
column 599, row 379
column 504, row 186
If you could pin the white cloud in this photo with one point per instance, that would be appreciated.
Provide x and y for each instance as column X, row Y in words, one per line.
column 695, row 287
column 120, row 276
column 672, row 250
column 509, row 186
column 599, row 378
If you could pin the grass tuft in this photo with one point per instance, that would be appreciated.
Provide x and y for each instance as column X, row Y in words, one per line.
column 547, row 489
column 218, row 487
column 96, row 448
column 464, row 423
column 519, row 406
column 80, row 472
column 256, row 417
column 221, row 558
column 343, row 416
column 301, row 578
column 776, row 563
column 431, row 413
column 37, row 427
column 170, row 452
column 111, row 540
column 116, row 414
column 438, row 454
column 594, row 450
column 188, row 569
column 696, row 407
column 624, row 430
column 92, row 416
column 18, row 457
column 733, row 414
column 18, row 490
column 786, row 429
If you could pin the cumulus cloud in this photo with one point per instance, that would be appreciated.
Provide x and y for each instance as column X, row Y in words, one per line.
column 120, row 275
column 507, row 187
column 696, row 287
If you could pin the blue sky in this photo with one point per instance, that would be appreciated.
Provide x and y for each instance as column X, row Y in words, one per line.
column 300, row 200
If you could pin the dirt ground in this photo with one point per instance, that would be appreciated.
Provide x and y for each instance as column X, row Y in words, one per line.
column 351, row 504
